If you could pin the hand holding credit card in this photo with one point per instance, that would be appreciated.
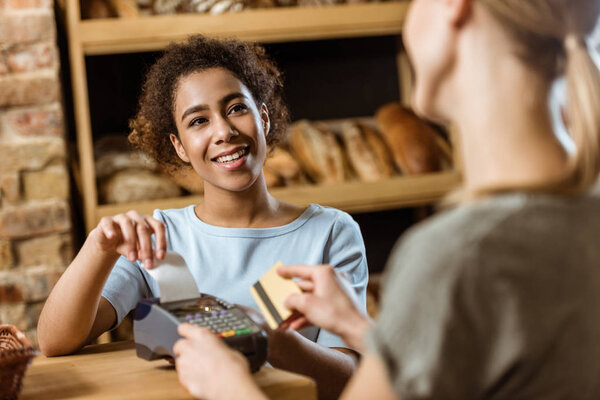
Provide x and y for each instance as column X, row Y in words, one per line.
column 272, row 290
column 270, row 293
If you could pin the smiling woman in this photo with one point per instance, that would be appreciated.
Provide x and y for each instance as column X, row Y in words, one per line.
column 247, row 62
column 213, row 108
column 222, row 131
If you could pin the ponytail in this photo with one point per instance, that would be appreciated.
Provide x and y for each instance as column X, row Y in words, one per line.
column 583, row 111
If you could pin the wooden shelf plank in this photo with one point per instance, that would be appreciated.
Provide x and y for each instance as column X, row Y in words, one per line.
column 120, row 35
column 353, row 196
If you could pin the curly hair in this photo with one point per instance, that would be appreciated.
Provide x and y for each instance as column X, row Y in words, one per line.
column 154, row 121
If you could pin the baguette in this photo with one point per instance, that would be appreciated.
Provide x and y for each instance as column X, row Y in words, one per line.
column 281, row 169
column 446, row 156
column 282, row 162
column 166, row 6
column 410, row 139
column 112, row 153
column 131, row 185
column 125, row 8
column 383, row 156
column 318, row 152
column 366, row 162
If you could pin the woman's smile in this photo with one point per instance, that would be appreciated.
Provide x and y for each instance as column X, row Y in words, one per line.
column 232, row 160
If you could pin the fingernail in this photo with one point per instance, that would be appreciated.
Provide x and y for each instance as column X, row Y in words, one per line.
column 148, row 263
column 160, row 254
column 132, row 256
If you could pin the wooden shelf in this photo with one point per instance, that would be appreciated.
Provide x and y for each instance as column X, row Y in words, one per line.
column 355, row 196
column 120, row 35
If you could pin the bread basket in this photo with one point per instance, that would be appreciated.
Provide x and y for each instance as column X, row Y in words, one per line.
column 16, row 352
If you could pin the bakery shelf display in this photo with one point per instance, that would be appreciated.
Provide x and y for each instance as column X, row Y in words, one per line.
column 358, row 193
column 332, row 160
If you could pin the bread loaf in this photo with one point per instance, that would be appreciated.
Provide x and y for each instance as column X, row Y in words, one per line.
column 281, row 169
column 446, row 153
column 188, row 179
column 366, row 152
column 283, row 164
column 113, row 153
column 221, row 6
column 166, row 6
column 136, row 185
column 411, row 140
column 383, row 156
column 125, row 8
column 200, row 6
column 97, row 9
column 318, row 152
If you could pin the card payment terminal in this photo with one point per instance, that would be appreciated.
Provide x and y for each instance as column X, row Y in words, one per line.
column 155, row 327
column 156, row 320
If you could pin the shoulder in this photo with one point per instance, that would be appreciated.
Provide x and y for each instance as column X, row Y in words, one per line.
column 331, row 215
column 469, row 237
column 453, row 242
column 469, row 224
column 506, row 220
column 338, row 223
column 173, row 216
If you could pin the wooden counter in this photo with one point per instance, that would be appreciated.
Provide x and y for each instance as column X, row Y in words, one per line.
column 113, row 371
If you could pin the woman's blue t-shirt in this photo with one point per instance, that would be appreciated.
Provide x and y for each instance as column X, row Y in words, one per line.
column 226, row 262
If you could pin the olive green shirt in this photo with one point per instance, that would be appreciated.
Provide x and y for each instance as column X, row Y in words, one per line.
column 496, row 300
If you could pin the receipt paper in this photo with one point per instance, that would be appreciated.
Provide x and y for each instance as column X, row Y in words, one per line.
column 175, row 281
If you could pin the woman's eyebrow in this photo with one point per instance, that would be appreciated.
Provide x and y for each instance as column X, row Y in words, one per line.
column 194, row 109
column 232, row 96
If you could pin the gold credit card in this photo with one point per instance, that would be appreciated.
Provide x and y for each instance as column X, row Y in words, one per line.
column 270, row 293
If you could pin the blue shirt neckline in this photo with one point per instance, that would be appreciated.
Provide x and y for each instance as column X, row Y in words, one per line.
column 215, row 230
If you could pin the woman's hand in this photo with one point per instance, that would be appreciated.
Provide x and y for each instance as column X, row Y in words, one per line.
column 324, row 303
column 209, row 369
column 130, row 235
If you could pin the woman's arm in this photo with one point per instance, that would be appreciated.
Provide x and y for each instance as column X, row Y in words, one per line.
column 325, row 304
column 206, row 367
column 75, row 313
column 370, row 381
column 72, row 308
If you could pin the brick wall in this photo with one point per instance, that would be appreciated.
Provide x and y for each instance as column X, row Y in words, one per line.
column 35, row 222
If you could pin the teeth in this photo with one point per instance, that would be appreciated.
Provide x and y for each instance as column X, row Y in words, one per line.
column 231, row 157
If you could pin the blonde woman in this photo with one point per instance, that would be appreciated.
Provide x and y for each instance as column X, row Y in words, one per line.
column 499, row 297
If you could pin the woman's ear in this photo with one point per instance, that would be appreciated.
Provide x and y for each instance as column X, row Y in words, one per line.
column 264, row 116
column 459, row 11
column 179, row 148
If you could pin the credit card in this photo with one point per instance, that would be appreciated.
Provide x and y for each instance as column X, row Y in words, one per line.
column 270, row 293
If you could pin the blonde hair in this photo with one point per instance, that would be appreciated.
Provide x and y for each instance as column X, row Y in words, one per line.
column 551, row 36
